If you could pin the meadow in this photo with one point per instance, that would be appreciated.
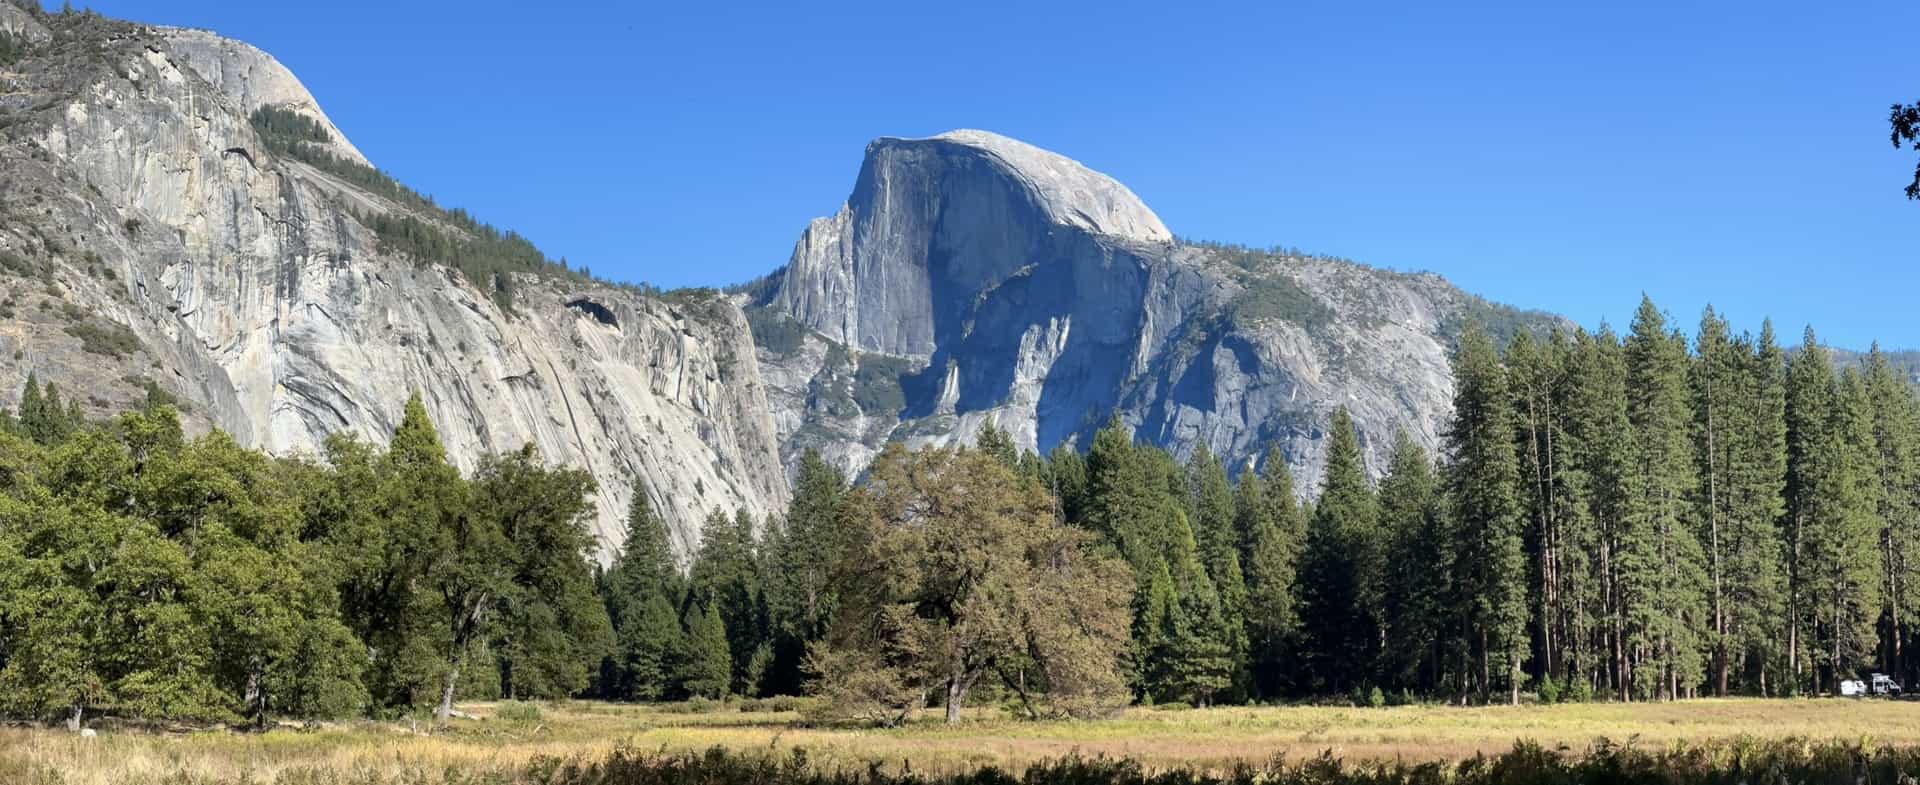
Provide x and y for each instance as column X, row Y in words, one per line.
column 517, row 742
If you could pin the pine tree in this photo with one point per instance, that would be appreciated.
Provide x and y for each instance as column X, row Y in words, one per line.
column 1194, row 659
column 1067, row 482
column 1666, row 574
column 642, row 590
column 724, row 580
column 814, row 546
column 647, row 639
column 33, row 410
column 1600, row 448
column 1483, row 490
column 418, row 498
column 1211, row 510
column 997, row 443
column 1753, row 564
column 1127, row 499
column 1839, row 570
column 1289, row 514
column 1340, row 570
column 703, row 664
column 1419, row 563
column 1895, row 471
column 1271, row 618
column 1154, row 606
column 1719, row 386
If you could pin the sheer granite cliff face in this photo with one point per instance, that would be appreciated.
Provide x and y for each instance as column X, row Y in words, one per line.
column 140, row 203
column 1012, row 285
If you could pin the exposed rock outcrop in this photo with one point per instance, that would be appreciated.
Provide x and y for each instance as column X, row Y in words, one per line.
column 20, row 24
column 1016, row 286
column 150, row 237
column 249, row 285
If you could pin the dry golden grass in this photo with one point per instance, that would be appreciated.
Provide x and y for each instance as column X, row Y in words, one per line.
column 1204, row 738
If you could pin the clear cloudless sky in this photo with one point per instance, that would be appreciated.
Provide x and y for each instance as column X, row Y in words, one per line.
column 1566, row 156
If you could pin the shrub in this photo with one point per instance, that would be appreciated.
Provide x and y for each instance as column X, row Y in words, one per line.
column 518, row 711
column 1376, row 698
column 1548, row 689
column 704, row 705
column 778, row 704
column 109, row 340
column 16, row 264
column 11, row 49
column 1579, row 690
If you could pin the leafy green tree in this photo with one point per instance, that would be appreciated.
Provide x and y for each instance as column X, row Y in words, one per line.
column 967, row 572
column 158, row 649
column 53, row 663
column 548, row 627
column 1905, row 120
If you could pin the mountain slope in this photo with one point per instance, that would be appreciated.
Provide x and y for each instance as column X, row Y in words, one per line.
column 973, row 278
column 150, row 233
column 178, row 213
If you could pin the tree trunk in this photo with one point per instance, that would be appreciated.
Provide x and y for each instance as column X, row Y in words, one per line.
column 1486, row 669
column 73, row 721
column 957, row 685
column 1793, row 607
column 445, row 712
column 1713, row 525
column 1514, row 676
column 255, row 698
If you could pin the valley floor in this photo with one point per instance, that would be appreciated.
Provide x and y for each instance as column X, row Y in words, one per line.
column 370, row 752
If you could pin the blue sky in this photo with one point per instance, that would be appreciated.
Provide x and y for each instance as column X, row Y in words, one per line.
column 1553, row 155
